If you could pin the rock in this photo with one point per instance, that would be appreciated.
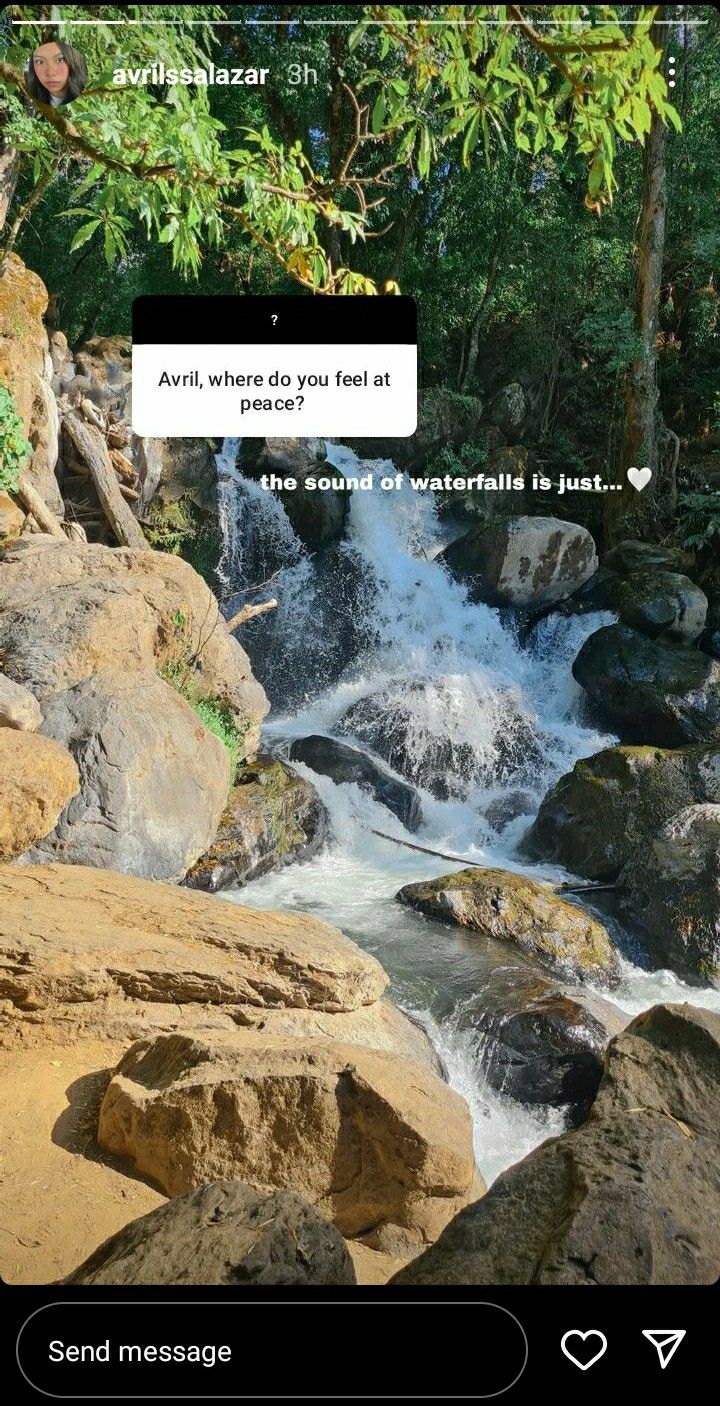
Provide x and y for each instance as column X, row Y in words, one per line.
column 346, row 765
column 12, row 520
column 84, row 951
column 71, row 609
column 224, row 1233
column 18, row 708
column 662, row 602
column 523, row 561
column 317, row 515
column 37, row 779
column 372, row 1141
column 611, row 805
column 651, row 692
column 512, row 908
column 710, row 640
column 103, row 374
column 153, row 779
column 420, row 728
column 179, row 498
column 379, row 1026
column 446, row 420
column 628, row 557
column 671, row 889
column 501, row 811
column 26, row 370
column 272, row 817
column 544, row 1044
column 631, row 1197
column 509, row 411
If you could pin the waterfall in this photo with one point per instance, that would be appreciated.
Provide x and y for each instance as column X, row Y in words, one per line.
column 375, row 643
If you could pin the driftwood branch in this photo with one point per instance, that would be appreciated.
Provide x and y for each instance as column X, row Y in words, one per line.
column 39, row 510
column 423, row 849
column 92, row 448
column 248, row 612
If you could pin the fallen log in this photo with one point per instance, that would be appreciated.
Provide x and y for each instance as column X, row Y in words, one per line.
column 39, row 510
column 91, row 447
column 248, row 612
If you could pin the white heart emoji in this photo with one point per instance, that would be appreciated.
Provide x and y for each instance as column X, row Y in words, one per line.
column 591, row 1333
column 639, row 478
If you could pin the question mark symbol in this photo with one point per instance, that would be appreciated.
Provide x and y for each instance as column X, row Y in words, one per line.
column 273, row 318
column 300, row 401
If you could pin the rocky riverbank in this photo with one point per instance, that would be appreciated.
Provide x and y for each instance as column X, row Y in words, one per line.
column 194, row 1063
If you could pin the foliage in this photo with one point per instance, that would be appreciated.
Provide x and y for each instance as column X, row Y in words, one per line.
column 215, row 714
column 14, row 448
column 699, row 520
column 161, row 159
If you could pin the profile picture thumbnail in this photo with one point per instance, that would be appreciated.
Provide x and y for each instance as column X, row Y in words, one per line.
column 55, row 73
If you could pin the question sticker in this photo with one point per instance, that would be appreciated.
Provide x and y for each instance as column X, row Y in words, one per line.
column 294, row 365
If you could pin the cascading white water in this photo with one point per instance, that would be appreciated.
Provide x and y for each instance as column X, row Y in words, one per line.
column 483, row 726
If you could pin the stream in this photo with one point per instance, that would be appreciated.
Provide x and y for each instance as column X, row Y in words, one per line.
column 376, row 627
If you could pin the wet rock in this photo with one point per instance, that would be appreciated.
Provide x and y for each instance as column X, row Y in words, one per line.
column 273, row 817
column 37, row 779
column 523, row 561
column 544, row 1044
column 631, row 1197
column 317, row 515
column 628, row 557
column 371, row 1140
column 671, row 889
column 225, row 1233
column 501, row 811
column 420, row 728
column 346, row 765
column 651, row 692
column 19, row 709
column 661, row 602
column 514, row 909
column 710, row 640
column 153, row 779
column 611, row 805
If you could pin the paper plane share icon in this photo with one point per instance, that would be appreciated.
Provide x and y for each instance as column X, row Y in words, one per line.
column 666, row 1341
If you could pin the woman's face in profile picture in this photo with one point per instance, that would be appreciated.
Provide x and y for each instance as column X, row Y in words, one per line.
column 51, row 69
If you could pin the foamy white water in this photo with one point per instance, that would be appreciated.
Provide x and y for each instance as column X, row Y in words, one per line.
column 481, row 724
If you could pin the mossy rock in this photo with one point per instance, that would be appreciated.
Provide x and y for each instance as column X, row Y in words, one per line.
column 514, row 909
column 273, row 817
column 610, row 805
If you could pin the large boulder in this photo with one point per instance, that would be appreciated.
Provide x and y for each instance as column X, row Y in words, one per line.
column 19, row 708
column 84, row 951
column 543, row 1044
column 625, row 558
column 37, row 779
column 671, row 889
column 420, row 728
column 69, row 610
column 631, row 1197
column 272, row 817
column 611, row 805
column 651, row 692
column 378, row 1145
column 523, row 561
column 509, row 411
column 224, row 1233
column 317, row 515
column 514, row 909
column 153, row 779
column 346, row 765
column 661, row 602
column 26, row 370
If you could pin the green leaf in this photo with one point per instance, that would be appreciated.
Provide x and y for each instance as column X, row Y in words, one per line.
column 82, row 234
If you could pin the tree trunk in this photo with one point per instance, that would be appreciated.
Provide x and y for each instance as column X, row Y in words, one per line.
column 642, row 436
column 92, row 448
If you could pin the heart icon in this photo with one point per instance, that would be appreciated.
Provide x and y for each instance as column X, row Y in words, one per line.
column 639, row 478
column 583, row 1347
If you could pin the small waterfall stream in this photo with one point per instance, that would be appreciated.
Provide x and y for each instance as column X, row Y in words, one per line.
column 376, row 644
